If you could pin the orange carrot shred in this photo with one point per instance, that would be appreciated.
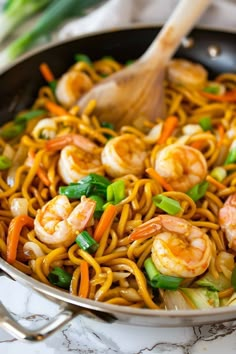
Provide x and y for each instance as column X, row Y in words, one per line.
column 161, row 180
column 46, row 72
column 14, row 230
column 216, row 183
column 198, row 144
column 84, row 280
column 229, row 96
column 170, row 124
column 105, row 222
column 54, row 108
column 221, row 131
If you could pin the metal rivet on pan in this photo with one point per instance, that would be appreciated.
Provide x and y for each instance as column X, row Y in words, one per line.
column 187, row 42
column 213, row 51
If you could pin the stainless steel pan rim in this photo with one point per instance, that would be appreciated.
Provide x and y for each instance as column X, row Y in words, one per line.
column 72, row 305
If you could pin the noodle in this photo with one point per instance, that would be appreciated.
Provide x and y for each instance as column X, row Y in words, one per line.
column 189, row 236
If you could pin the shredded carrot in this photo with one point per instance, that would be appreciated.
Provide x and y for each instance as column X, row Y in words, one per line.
column 221, row 131
column 170, row 124
column 14, row 230
column 105, row 221
column 46, row 72
column 54, row 108
column 216, row 183
column 84, row 279
column 198, row 144
column 161, row 180
column 41, row 173
column 229, row 96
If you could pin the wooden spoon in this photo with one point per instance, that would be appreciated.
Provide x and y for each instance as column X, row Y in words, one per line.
column 136, row 92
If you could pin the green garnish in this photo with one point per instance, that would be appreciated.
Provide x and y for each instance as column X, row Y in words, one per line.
column 99, row 205
column 231, row 158
column 205, row 123
column 25, row 117
column 86, row 242
column 212, row 89
column 116, row 192
column 5, row 162
column 169, row 205
column 13, row 130
column 84, row 58
column 60, row 277
column 198, row 191
column 158, row 280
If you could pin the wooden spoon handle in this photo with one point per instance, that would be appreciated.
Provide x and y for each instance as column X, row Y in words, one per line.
column 180, row 22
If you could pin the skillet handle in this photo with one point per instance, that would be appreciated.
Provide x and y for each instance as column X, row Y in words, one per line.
column 67, row 313
column 8, row 323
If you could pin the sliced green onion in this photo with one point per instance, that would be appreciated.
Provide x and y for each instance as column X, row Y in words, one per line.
column 233, row 278
column 92, row 184
column 158, row 280
column 99, row 205
column 86, row 242
column 5, row 162
column 108, row 125
column 12, row 131
column 24, row 117
column 212, row 89
column 60, row 277
column 84, row 58
column 231, row 158
column 53, row 85
column 205, row 123
column 129, row 62
column 169, row 205
column 198, row 191
column 219, row 173
column 116, row 191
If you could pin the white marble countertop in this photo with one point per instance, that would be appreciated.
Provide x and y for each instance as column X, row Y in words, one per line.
column 86, row 336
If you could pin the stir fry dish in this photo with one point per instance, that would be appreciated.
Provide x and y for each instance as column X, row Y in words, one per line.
column 139, row 218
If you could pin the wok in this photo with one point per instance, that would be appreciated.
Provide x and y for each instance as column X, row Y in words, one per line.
column 18, row 89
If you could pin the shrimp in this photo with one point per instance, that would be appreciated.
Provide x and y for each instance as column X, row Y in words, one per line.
column 57, row 223
column 123, row 155
column 182, row 166
column 75, row 163
column 186, row 73
column 227, row 220
column 179, row 248
column 71, row 86
column 79, row 156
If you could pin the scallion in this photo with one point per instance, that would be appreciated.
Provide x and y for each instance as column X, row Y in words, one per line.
column 198, row 191
column 116, row 191
column 205, row 123
column 60, row 277
column 86, row 242
column 231, row 158
column 158, row 280
column 233, row 278
column 57, row 12
column 169, row 205
column 25, row 117
column 12, row 131
column 99, row 205
column 84, row 58
column 15, row 12
column 219, row 173
column 5, row 162
column 215, row 89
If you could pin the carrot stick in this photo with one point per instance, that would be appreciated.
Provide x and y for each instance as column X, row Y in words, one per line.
column 221, row 131
column 105, row 222
column 198, row 144
column 229, row 96
column 161, row 180
column 169, row 126
column 40, row 172
column 84, row 280
column 46, row 72
column 54, row 108
column 14, row 230
column 216, row 183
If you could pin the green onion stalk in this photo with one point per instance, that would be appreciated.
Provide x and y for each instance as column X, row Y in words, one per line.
column 16, row 11
column 56, row 12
